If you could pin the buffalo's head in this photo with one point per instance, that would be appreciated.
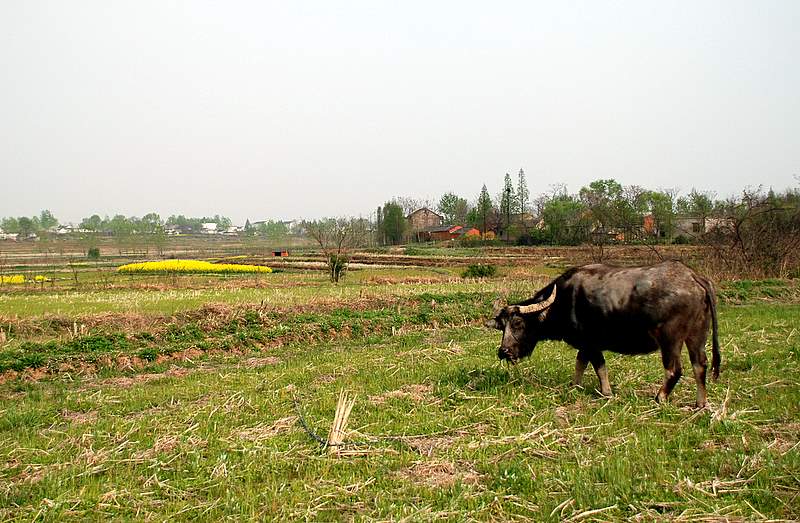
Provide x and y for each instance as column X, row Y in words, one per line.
column 520, row 325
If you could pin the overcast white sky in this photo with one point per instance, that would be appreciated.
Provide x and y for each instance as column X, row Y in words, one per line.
column 303, row 109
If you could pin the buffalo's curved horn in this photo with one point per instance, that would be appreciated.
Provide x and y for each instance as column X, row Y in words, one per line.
column 542, row 305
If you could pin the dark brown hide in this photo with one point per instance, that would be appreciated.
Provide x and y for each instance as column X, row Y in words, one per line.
column 629, row 310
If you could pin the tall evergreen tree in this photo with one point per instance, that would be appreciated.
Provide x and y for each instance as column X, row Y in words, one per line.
column 484, row 207
column 523, row 196
column 507, row 202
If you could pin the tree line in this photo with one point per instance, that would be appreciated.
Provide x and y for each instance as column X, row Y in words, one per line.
column 602, row 211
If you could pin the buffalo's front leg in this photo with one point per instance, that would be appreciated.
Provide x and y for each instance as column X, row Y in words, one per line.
column 581, row 362
column 671, row 358
column 599, row 364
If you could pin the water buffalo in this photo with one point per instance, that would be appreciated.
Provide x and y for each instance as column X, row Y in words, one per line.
column 629, row 310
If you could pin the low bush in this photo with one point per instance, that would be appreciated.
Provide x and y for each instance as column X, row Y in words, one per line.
column 480, row 271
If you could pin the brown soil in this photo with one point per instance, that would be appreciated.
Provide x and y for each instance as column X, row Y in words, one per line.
column 439, row 474
column 261, row 432
column 417, row 393
column 253, row 363
column 80, row 417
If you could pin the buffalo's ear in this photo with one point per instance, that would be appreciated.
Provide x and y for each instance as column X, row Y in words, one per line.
column 497, row 308
column 492, row 323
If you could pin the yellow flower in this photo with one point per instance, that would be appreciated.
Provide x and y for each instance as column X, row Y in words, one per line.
column 13, row 279
column 191, row 267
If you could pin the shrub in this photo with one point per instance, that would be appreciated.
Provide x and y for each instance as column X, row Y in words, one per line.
column 533, row 237
column 337, row 265
column 469, row 240
column 680, row 240
column 414, row 251
column 93, row 253
column 479, row 271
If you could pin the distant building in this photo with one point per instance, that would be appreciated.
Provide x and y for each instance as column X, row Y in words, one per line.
column 209, row 228
column 439, row 233
column 446, row 232
column 697, row 225
column 469, row 232
column 233, row 230
column 422, row 219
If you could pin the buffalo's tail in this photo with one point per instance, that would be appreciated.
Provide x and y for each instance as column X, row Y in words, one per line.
column 716, row 359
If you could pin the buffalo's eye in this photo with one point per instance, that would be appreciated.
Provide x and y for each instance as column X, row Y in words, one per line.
column 517, row 323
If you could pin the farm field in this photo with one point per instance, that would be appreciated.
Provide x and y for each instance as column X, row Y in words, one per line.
column 154, row 399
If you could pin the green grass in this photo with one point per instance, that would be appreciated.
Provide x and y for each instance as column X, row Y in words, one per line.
column 217, row 438
column 280, row 289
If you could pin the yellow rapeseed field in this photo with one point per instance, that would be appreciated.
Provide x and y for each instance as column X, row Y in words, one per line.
column 191, row 267
column 18, row 279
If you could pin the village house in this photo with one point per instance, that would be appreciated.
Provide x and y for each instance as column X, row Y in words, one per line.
column 690, row 226
column 422, row 219
column 446, row 232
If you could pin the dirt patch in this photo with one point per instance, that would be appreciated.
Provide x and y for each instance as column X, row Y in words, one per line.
column 428, row 446
column 80, row 417
column 263, row 431
column 784, row 437
column 439, row 474
column 387, row 280
column 33, row 473
column 253, row 363
column 129, row 381
column 416, row 393
column 166, row 444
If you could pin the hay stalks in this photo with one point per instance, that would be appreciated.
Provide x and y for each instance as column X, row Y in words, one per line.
column 337, row 433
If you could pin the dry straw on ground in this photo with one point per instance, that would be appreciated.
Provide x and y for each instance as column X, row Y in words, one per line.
column 337, row 434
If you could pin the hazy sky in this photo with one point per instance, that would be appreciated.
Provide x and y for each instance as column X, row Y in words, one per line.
column 303, row 109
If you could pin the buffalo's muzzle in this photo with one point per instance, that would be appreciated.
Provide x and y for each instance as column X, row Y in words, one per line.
column 505, row 354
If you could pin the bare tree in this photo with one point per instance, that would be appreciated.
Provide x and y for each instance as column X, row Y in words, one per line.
column 758, row 234
column 337, row 237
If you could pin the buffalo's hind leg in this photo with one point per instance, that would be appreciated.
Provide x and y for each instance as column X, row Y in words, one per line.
column 696, row 345
column 581, row 362
column 599, row 364
column 671, row 358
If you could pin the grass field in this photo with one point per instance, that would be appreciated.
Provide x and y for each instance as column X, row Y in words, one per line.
column 192, row 414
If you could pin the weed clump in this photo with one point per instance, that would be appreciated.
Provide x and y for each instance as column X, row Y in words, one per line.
column 479, row 270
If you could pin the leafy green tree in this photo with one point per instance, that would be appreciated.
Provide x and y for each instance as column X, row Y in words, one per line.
column 662, row 207
column 697, row 203
column 10, row 225
column 460, row 212
column 94, row 223
column 150, row 223
column 453, row 208
column 47, row 220
column 566, row 219
column 393, row 223
column 275, row 231
column 603, row 198
column 26, row 226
